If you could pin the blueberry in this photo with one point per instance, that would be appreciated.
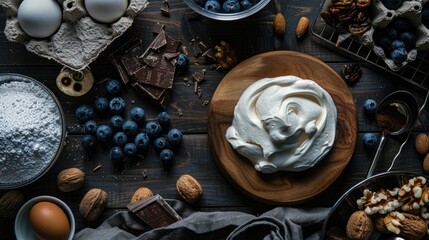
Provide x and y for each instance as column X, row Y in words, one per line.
column 117, row 105
column 88, row 142
column 153, row 129
column 84, row 113
column 90, row 127
column 245, row 4
column 399, row 55
column 113, row 87
column 392, row 33
column 212, row 6
column 231, row 6
column 370, row 140
column 425, row 13
column 101, row 104
column 103, row 133
column 397, row 44
column 167, row 158
column 401, row 24
column 142, row 141
column 182, row 61
column 385, row 43
column 117, row 122
column 408, row 38
column 138, row 114
column 175, row 137
column 130, row 127
column 164, row 119
column 116, row 153
column 120, row 139
column 130, row 149
column 200, row 2
column 392, row 4
column 370, row 106
column 160, row 144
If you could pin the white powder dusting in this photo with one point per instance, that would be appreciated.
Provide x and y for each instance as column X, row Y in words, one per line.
column 30, row 130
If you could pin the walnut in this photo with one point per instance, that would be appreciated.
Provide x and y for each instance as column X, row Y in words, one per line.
column 70, row 179
column 140, row 194
column 225, row 55
column 351, row 72
column 379, row 224
column 407, row 225
column 10, row 203
column 93, row 204
column 414, row 194
column 189, row 188
column 359, row 226
column 363, row 3
column 382, row 202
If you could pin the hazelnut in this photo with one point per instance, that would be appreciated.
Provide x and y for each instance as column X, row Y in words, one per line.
column 422, row 144
column 70, row 179
column 140, row 194
column 93, row 204
column 10, row 203
column 189, row 188
column 359, row 226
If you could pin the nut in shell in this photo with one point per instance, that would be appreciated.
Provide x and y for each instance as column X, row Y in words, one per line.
column 70, row 179
column 422, row 144
column 279, row 24
column 302, row 27
column 141, row 193
column 189, row 188
column 426, row 164
column 359, row 226
column 93, row 204
column 10, row 203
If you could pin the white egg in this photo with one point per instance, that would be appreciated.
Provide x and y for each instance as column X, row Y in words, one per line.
column 41, row 18
column 106, row 11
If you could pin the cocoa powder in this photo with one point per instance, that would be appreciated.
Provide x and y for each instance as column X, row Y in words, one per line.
column 390, row 119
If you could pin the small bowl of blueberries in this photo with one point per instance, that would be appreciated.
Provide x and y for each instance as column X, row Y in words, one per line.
column 226, row 10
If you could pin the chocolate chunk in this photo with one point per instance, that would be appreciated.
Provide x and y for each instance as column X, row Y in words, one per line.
column 198, row 76
column 173, row 45
column 161, row 76
column 126, row 58
column 158, row 28
column 165, row 8
column 171, row 56
column 151, row 59
column 154, row 211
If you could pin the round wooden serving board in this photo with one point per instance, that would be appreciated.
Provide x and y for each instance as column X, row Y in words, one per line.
column 281, row 187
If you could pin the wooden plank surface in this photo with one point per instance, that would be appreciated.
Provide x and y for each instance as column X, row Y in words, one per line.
column 248, row 37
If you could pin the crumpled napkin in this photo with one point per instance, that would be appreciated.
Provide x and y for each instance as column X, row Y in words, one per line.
column 282, row 223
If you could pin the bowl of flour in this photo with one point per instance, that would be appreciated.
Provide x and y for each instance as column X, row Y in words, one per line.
column 32, row 130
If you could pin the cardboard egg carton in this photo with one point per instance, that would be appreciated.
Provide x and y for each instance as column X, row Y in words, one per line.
column 79, row 39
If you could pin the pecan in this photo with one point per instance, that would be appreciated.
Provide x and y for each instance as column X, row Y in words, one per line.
column 342, row 4
column 361, row 17
column 414, row 194
column 359, row 29
column 351, row 72
column 363, row 3
column 329, row 18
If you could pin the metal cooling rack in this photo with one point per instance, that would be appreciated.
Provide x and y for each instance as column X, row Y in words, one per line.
column 416, row 72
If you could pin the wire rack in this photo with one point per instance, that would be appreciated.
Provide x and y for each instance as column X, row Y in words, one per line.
column 415, row 72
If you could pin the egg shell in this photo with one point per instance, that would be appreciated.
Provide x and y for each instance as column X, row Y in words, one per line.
column 49, row 221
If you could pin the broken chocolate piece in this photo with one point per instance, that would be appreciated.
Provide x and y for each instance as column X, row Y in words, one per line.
column 165, row 8
column 158, row 28
column 126, row 59
column 154, row 211
column 198, row 76
column 171, row 56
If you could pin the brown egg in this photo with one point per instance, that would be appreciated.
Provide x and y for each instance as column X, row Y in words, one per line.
column 49, row 221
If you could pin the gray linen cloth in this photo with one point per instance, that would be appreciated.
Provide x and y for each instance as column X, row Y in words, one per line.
column 279, row 223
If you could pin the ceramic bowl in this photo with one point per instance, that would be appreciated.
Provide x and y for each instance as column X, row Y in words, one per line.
column 227, row 16
column 346, row 205
column 23, row 229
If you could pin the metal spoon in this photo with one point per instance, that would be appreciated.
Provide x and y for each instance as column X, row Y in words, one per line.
column 406, row 105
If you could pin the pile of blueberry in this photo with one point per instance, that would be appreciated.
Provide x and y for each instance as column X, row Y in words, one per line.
column 129, row 136
column 226, row 6
column 397, row 39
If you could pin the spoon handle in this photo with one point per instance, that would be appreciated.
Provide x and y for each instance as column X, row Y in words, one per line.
column 377, row 156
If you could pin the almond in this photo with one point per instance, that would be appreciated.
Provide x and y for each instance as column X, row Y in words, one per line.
column 302, row 27
column 279, row 24
column 422, row 144
column 426, row 164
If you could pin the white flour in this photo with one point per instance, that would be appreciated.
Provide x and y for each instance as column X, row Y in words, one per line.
column 30, row 130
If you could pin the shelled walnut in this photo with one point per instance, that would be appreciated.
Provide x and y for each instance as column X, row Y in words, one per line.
column 408, row 225
column 225, row 55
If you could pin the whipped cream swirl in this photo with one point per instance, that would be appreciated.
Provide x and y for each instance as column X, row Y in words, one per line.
column 283, row 123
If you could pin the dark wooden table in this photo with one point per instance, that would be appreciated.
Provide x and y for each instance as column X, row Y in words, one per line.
column 248, row 37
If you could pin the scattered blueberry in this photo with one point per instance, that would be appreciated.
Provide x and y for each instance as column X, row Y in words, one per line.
column 120, row 139
column 90, row 127
column 175, row 137
column 370, row 140
column 153, row 129
column 385, row 43
column 392, row 4
column 397, row 44
column 84, row 113
column 409, row 39
column 101, row 104
column 164, row 119
column 245, row 4
column 138, row 114
column 200, row 2
column 116, row 153
column 399, row 55
column 103, row 133
column 142, row 141
column 117, row 122
column 88, row 142
column 370, row 106
column 167, row 158
column 401, row 24
column 130, row 127
column 231, row 6
column 160, row 144
column 130, row 149
column 392, row 33
column 212, row 6
column 117, row 105
column 182, row 61
column 113, row 87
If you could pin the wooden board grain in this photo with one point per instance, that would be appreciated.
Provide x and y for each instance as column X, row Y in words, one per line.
column 282, row 187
